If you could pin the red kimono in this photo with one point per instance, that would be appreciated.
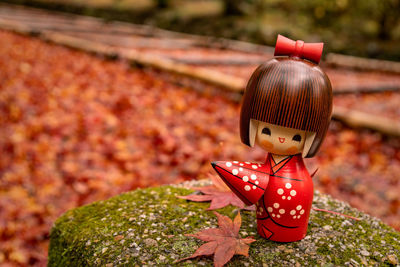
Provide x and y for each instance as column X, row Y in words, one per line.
column 282, row 192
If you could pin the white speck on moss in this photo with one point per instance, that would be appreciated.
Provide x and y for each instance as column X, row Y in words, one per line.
column 150, row 242
column 353, row 262
column 393, row 259
column 162, row 258
column 364, row 253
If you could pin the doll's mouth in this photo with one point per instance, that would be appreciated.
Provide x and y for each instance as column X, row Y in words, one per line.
column 281, row 139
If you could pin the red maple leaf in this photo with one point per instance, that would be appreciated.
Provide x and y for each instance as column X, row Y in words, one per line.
column 224, row 242
column 219, row 194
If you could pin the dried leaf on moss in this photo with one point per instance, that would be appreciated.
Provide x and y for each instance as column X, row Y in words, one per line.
column 223, row 242
column 219, row 194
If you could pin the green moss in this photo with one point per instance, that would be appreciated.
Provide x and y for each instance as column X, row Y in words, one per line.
column 148, row 226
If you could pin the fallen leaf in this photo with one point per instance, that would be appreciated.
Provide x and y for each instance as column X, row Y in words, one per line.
column 337, row 213
column 118, row 237
column 224, row 242
column 219, row 194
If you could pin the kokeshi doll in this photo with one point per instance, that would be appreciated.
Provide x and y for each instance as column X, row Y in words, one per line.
column 286, row 111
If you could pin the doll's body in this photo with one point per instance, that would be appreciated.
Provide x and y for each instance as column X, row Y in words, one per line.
column 284, row 209
column 284, row 189
column 286, row 111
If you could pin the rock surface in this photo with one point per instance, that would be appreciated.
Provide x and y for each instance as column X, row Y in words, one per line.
column 147, row 227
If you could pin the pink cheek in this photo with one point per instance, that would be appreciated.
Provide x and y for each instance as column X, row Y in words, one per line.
column 292, row 149
column 267, row 144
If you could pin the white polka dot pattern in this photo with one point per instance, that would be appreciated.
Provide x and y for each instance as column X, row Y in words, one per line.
column 297, row 216
column 286, row 194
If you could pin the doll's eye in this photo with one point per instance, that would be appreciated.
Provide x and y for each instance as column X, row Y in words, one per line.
column 266, row 131
column 297, row 138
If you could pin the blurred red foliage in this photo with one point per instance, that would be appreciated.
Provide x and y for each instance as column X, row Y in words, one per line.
column 362, row 168
column 75, row 129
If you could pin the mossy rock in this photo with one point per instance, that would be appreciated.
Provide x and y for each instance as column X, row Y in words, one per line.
column 148, row 227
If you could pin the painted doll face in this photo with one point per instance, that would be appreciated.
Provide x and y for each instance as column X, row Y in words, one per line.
column 280, row 140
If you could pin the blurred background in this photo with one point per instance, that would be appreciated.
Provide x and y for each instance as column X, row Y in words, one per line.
column 78, row 127
column 366, row 28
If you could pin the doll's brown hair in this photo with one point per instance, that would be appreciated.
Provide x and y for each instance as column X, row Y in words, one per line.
column 289, row 92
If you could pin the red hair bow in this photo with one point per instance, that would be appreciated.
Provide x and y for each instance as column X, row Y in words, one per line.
column 286, row 47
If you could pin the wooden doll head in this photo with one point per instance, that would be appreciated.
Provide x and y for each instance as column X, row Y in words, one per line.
column 288, row 92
